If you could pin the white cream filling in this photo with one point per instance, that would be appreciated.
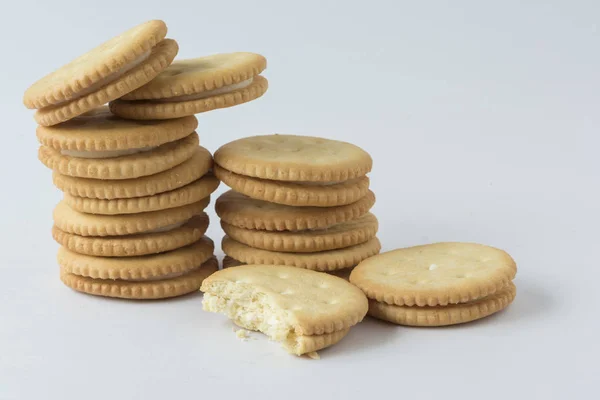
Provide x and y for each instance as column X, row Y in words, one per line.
column 209, row 93
column 105, row 153
column 167, row 228
column 111, row 77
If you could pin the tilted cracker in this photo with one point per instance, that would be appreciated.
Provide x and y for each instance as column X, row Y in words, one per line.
column 201, row 75
column 148, row 109
column 284, row 302
column 134, row 245
column 191, row 193
column 245, row 212
column 160, row 57
column 102, row 63
column 330, row 260
column 294, row 158
column 100, row 130
column 435, row 274
column 339, row 236
column 151, row 290
column 138, row 268
column 451, row 314
column 295, row 194
column 129, row 166
column 188, row 171
column 71, row 221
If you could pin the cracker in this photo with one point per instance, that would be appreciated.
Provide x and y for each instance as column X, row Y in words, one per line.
column 71, row 221
column 444, row 315
column 435, row 274
column 134, row 245
column 129, row 166
column 191, row 193
column 294, row 158
column 188, row 171
column 199, row 75
column 138, row 268
column 229, row 262
column 148, row 109
column 179, row 286
column 160, row 57
column 100, row 130
column 95, row 67
column 284, row 301
column 245, row 212
column 304, row 344
column 346, row 234
column 321, row 261
column 295, row 194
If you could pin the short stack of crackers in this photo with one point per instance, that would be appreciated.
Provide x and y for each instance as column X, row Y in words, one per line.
column 298, row 201
column 136, row 181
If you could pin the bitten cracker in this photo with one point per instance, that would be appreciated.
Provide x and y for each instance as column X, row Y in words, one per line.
column 294, row 306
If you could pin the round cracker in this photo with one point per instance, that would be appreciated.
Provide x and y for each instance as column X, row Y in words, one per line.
column 147, row 109
column 314, row 303
column 179, row 286
column 323, row 261
column 444, row 315
column 188, row 171
column 197, row 75
column 294, row 158
column 196, row 191
column 295, row 194
column 245, row 212
column 138, row 268
column 71, row 221
column 160, row 57
column 134, row 245
column 104, row 61
column 303, row 344
column 129, row 166
column 347, row 234
column 435, row 274
column 100, row 130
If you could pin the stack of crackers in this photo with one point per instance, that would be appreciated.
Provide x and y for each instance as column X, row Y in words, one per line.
column 135, row 179
column 298, row 201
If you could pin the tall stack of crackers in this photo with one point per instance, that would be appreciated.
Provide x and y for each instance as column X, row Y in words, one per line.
column 298, row 201
column 136, row 181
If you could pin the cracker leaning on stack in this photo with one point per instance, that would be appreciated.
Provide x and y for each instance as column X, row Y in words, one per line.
column 132, row 220
column 297, row 200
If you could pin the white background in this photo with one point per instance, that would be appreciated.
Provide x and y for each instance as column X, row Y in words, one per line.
column 483, row 122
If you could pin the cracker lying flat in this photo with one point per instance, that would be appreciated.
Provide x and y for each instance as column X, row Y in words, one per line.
column 294, row 158
column 128, row 166
column 435, row 274
column 346, row 234
column 245, row 212
column 187, row 172
column 158, row 59
column 325, row 261
column 100, row 130
column 148, row 109
column 149, row 290
column 82, row 224
column 138, row 268
column 196, row 191
column 296, row 194
column 95, row 67
column 444, row 315
column 305, row 310
column 134, row 245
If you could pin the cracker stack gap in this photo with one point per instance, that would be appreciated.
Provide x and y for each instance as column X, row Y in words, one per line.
column 132, row 220
column 297, row 200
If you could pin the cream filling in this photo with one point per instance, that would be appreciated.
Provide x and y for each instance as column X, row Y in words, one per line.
column 106, row 153
column 167, row 228
column 111, row 77
column 209, row 93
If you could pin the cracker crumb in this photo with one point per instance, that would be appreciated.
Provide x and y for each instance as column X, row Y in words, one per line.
column 313, row 355
column 432, row 267
column 242, row 334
